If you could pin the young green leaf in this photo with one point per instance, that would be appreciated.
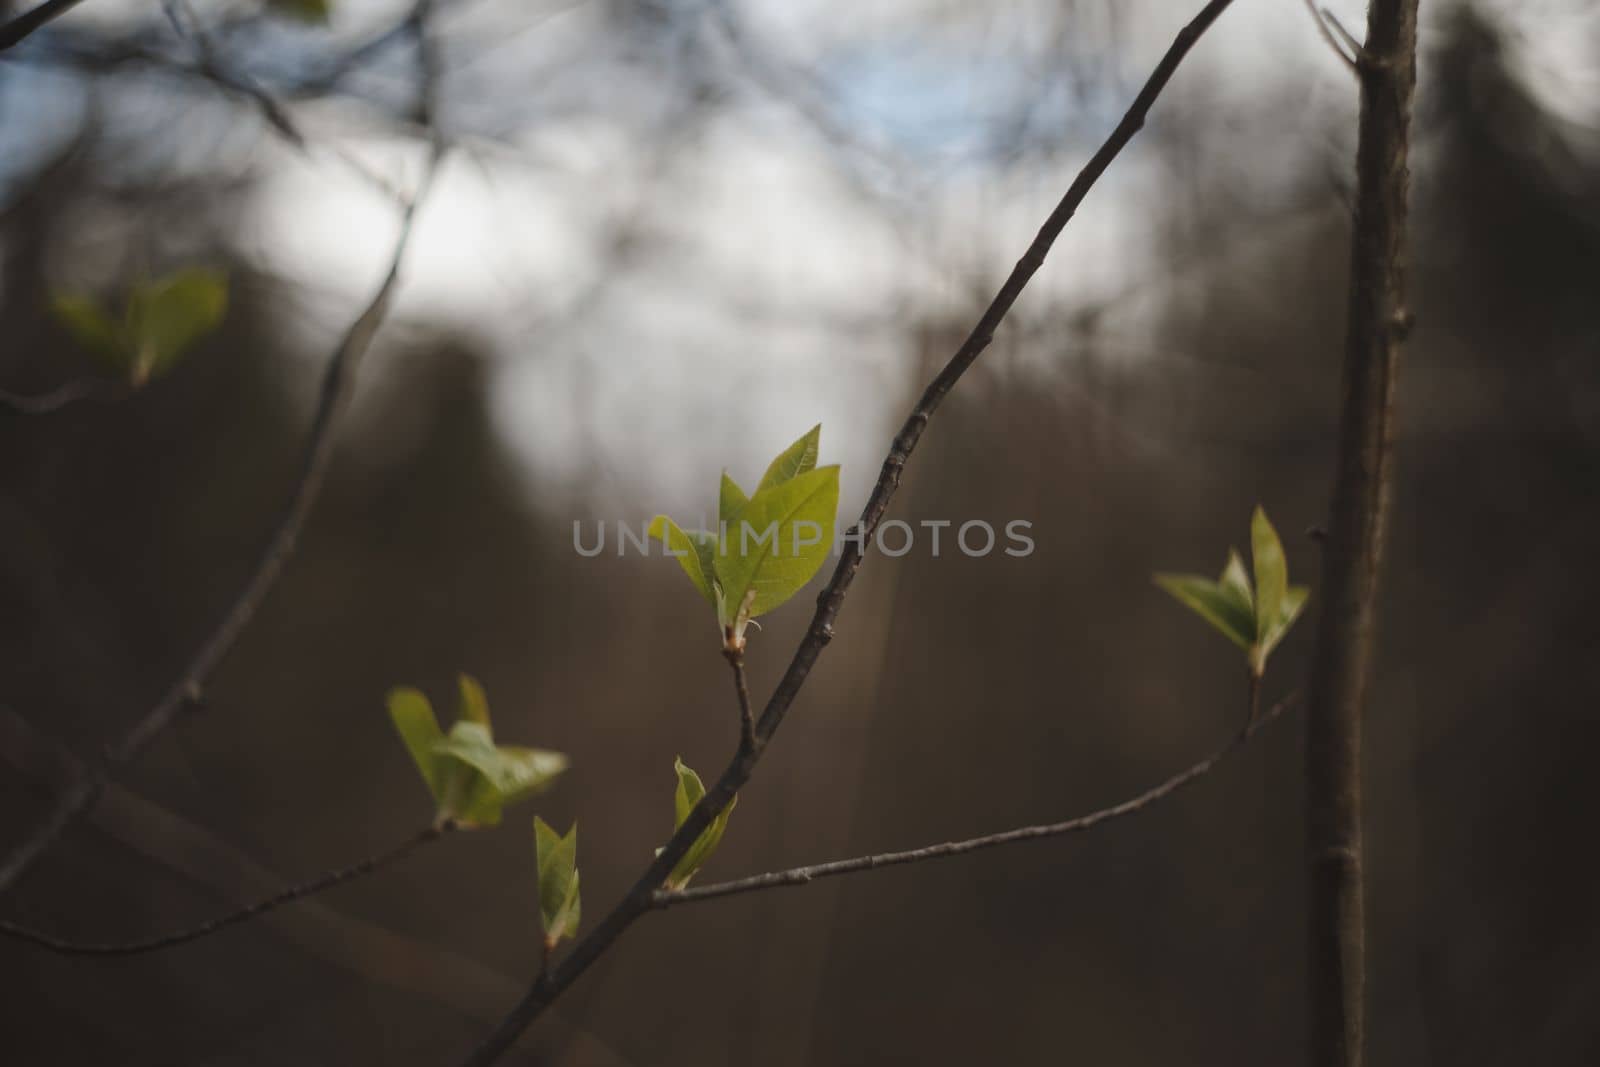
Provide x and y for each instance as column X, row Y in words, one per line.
column 1294, row 601
column 93, row 329
column 1216, row 602
column 1237, row 582
column 730, row 501
column 559, row 902
column 690, row 790
column 474, row 705
column 1272, row 573
column 470, row 777
column 305, row 10
column 506, row 774
column 1254, row 618
column 166, row 316
column 694, row 552
column 414, row 720
column 794, row 460
column 780, row 541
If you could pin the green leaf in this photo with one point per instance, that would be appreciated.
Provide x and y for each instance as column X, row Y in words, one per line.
column 414, row 720
column 780, row 541
column 794, row 460
column 1214, row 602
column 690, row 790
column 93, row 329
column 1294, row 601
column 1237, row 582
column 474, row 706
column 559, row 907
column 305, row 10
column 1272, row 573
column 730, row 501
column 505, row 773
column 694, row 553
column 166, row 316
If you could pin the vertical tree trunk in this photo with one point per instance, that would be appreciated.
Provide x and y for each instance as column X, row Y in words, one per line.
column 1342, row 663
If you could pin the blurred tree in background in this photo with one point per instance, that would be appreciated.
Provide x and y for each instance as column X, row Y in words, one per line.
column 651, row 196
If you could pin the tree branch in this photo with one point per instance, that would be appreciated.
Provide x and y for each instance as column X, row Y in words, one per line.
column 638, row 900
column 336, row 384
column 55, row 399
column 289, row 895
column 1327, row 22
column 741, row 688
column 13, row 32
column 664, row 898
column 1341, row 668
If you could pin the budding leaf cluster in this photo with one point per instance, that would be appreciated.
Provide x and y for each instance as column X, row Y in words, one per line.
column 690, row 790
column 471, row 778
column 559, row 905
column 768, row 544
column 1257, row 617
column 160, row 320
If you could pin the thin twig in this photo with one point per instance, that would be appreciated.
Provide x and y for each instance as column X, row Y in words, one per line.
column 1324, row 19
column 234, row 918
column 208, row 64
column 664, row 898
column 336, row 384
column 541, row 994
column 54, row 400
column 20, row 27
column 1352, row 562
column 741, row 686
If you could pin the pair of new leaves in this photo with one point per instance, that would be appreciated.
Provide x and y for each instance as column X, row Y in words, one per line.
column 768, row 544
column 473, row 779
column 160, row 319
column 1254, row 617
column 559, row 903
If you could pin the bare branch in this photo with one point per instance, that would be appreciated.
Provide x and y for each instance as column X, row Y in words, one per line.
column 664, row 898
column 1349, row 51
column 289, row 895
column 186, row 23
column 13, row 32
column 1341, row 668
column 545, row 990
column 54, row 400
column 336, row 384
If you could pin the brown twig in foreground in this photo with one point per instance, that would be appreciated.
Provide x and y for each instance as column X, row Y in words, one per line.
column 289, row 895
column 1341, row 667
column 548, row 986
column 13, row 32
column 665, row 898
column 186, row 689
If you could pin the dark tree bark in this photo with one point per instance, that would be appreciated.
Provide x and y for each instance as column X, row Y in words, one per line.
column 1342, row 664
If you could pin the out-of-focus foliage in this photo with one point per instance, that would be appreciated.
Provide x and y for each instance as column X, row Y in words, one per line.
column 317, row 11
column 472, row 779
column 160, row 320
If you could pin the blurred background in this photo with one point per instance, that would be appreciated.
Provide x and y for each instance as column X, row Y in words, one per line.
column 669, row 237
